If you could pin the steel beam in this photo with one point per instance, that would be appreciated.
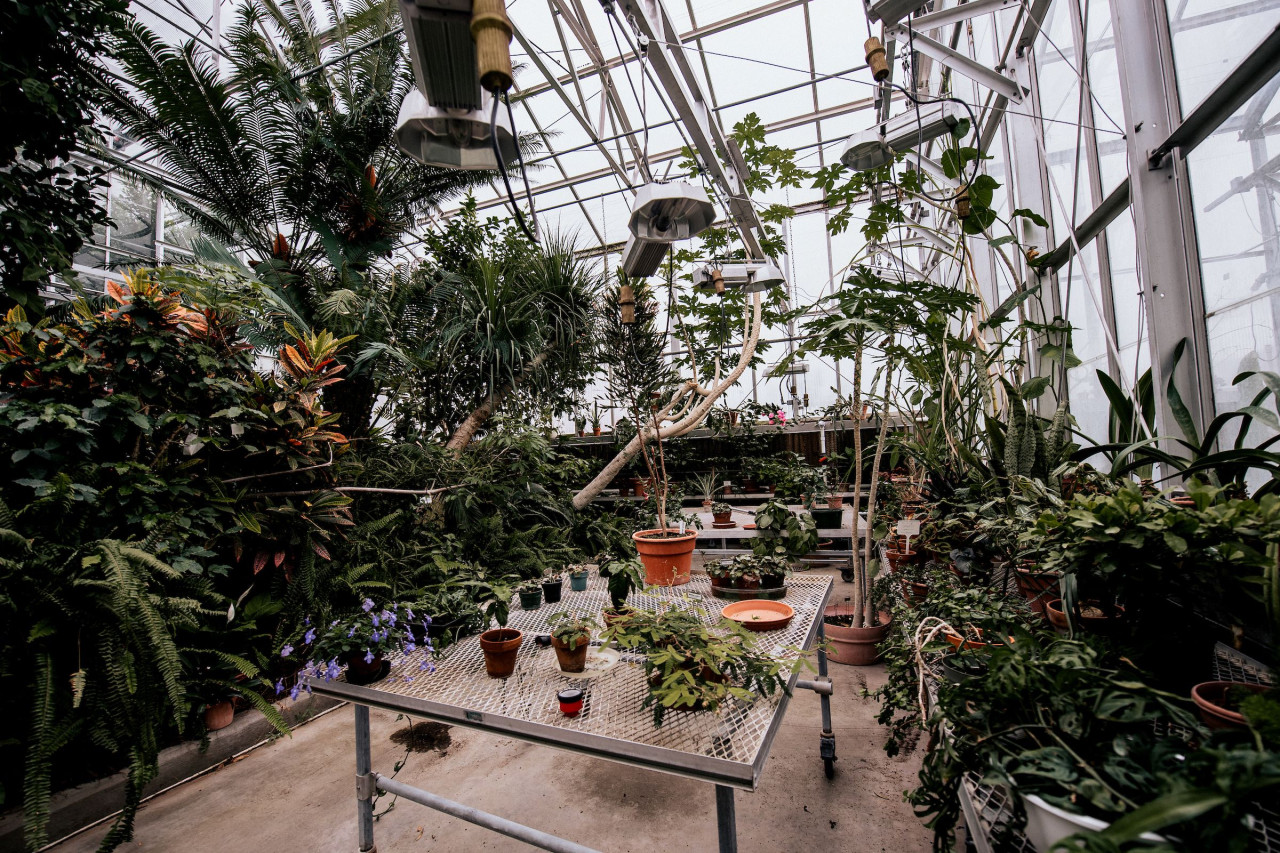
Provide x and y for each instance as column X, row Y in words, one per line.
column 960, row 63
column 1167, row 252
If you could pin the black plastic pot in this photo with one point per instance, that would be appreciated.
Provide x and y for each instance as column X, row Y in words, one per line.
column 551, row 590
column 827, row 519
column 531, row 600
column 958, row 668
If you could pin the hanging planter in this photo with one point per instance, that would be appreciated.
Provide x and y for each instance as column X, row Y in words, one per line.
column 667, row 556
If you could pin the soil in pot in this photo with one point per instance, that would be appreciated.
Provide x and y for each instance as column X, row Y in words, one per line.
column 552, row 590
column 219, row 715
column 360, row 671
column 500, row 646
column 531, row 600
column 1091, row 616
column 571, row 660
column 667, row 558
column 1219, row 702
column 849, row 645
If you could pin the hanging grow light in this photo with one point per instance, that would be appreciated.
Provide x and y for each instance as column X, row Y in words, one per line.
column 751, row 277
column 660, row 215
column 873, row 147
column 452, row 138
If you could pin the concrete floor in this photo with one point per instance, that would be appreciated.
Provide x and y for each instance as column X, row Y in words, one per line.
column 296, row 795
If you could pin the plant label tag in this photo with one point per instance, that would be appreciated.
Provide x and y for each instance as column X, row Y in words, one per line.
column 474, row 716
column 909, row 527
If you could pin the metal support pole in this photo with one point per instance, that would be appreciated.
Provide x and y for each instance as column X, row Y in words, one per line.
column 1167, row 251
column 509, row 828
column 364, row 778
column 827, row 740
column 726, row 820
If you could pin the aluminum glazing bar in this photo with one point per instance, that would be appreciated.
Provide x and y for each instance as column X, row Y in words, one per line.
column 961, row 64
column 1255, row 71
column 959, row 14
column 509, row 828
column 1116, row 202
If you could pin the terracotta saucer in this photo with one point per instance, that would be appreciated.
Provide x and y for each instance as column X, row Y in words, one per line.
column 757, row 614
column 724, row 525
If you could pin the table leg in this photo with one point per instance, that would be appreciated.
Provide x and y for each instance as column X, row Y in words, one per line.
column 726, row 819
column 364, row 782
column 827, row 740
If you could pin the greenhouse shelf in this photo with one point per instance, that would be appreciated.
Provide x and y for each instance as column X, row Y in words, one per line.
column 987, row 807
column 727, row 748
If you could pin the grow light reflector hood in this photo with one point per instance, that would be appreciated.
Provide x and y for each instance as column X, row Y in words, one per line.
column 752, row 277
column 452, row 139
column 442, row 52
column 669, row 212
column 641, row 258
column 872, row 148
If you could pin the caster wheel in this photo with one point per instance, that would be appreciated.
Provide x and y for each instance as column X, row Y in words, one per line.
column 846, row 576
column 829, row 767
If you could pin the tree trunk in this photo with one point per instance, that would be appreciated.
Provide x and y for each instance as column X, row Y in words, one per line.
column 467, row 429
column 859, row 571
column 875, row 483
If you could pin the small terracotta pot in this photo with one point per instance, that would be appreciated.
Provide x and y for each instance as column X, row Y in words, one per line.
column 958, row 642
column 835, row 502
column 898, row 558
column 707, row 505
column 500, row 646
column 640, row 487
column 571, row 660
column 595, row 430
column 219, row 715
column 1055, row 614
column 854, row 646
column 570, row 701
column 915, row 593
column 721, row 582
column 1037, row 587
column 748, row 583
column 722, row 517
column 1210, row 698
column 1104, row 625
column 667, row 561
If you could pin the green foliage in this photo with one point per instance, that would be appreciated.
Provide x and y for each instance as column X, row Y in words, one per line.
column 782, row 533
column 51, row 83
column 692, row 667
column 572, row 629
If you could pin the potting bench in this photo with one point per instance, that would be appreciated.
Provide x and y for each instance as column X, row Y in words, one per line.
column 733, row 540
column 727, row 747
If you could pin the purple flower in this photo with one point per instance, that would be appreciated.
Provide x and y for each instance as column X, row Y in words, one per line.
column 310, row 636
column 408, row 612
column 368, row 657
column 376, row 621
column 306, row 621
column 408, row 679
column 368, row 605
column 297, row 688
column 352, row 632
column 426, row 666
column 426, row 621
column 286, row 651
column 390, row 617
column 409, row 646
column 279, row 687
column 334, row 622
column 333, row 671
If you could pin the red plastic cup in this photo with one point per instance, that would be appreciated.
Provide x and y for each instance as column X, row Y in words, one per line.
column 570, row 701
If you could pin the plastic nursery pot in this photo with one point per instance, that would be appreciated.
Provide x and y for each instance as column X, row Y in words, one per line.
column 572, row 660
column 956, row 667
column 827, row 519
column 1215, row 708
column 531, row 600
column 578, row 581
column 570, row 701
column 667, row 561
column 360, row 671
column 849, row 645
column 551, row 590
column 1048, row 824
column 219, row 715
column 1037, row 587
column 500, row 646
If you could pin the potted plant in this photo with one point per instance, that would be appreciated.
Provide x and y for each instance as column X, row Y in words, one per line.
column 530, row 593
column 773, row 571
column 214, row 682
column 691, row 667
column 721, row 512
column 552, row 587
column 578, row 575
column 622, row 577
column 499, row 645
column 362, row 642
column 580, row 425
column 782, row 533
column 708, row 485
column 853, row 644
column 595, row 418
column 571, row 638
column 1221, row 703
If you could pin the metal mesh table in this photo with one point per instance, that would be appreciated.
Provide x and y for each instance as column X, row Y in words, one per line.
column 727, row 747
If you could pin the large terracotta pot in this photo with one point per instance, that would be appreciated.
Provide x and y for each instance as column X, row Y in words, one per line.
column 500, row 646
column 854, row 646
column 1211, row 699
column 668, row 561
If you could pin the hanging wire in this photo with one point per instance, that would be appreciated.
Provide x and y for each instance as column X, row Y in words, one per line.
column 502, row 166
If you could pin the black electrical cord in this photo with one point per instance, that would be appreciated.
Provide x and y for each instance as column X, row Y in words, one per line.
column 502, row 167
